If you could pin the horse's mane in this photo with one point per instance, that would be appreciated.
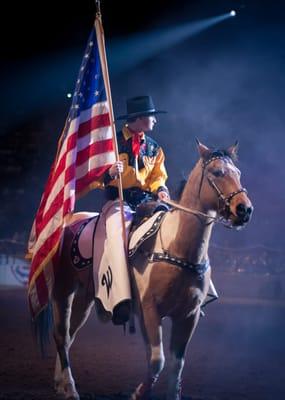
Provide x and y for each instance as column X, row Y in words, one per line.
column 221, row 153
column 179, row 190
column 213, row 153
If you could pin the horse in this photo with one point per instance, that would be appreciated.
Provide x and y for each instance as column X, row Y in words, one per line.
column 170, row 275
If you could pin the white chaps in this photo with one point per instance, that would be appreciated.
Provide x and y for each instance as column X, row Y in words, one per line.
column 111, row 275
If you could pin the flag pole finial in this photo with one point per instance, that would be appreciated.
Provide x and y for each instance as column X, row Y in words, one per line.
column 98, row 7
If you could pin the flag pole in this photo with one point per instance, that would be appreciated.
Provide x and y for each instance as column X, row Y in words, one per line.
column 103, row 57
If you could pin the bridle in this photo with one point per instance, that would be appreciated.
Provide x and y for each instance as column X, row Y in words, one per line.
column 224, row 206
column 224, row 213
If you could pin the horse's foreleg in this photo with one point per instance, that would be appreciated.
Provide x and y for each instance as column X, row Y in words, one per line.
column 61, row 312
column 181, row 333
column 152, row 332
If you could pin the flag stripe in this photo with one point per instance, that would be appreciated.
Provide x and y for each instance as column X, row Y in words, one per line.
column 63, row 163
column 67, row 206
column 93, row 149
column 85, row 151
column 89, row 177
column 69, row 173
column 54, row 207
column 49, row 243
column 47, row 231
column 96, row 124
column 79, row 129
column 99, row 121
column 54, row 202
column 96, row 135
column 98, row 160
column 42, row 289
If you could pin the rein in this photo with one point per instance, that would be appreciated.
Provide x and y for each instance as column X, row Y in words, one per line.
column 189, row 210
column 226, row 200
column 201, row 268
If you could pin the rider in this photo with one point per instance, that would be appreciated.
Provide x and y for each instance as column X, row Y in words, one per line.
column 141, row 158
column 141, row 164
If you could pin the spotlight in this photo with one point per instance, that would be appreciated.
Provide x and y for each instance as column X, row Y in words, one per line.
column 233, row 13
column 69, row 95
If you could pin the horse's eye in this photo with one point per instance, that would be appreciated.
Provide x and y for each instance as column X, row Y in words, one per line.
column 218, row 173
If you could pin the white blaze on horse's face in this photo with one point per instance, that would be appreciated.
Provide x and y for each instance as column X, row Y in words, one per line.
column 222, row 189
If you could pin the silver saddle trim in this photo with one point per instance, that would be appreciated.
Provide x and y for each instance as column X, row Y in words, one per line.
column 144, row 231
column 82, row 244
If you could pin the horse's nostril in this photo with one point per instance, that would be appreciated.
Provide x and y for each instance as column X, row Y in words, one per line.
column 249, row 210
column 241, row 210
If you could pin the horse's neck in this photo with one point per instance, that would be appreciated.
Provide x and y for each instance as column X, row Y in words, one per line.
column 192, row 234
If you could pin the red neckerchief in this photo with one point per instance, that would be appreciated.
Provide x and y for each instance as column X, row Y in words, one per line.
column 136, row 142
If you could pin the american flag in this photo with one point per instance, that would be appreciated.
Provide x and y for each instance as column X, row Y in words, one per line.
column 85, row 152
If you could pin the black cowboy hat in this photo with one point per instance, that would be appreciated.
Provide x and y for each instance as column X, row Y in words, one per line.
column 140, row 106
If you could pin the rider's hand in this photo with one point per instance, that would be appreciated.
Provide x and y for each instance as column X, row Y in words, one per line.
column 163, row 195
column 116, row 169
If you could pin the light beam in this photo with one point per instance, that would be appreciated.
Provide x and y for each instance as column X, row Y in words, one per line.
column 127, row 52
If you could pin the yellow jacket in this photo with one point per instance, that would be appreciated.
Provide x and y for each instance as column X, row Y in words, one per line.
column 147, row 171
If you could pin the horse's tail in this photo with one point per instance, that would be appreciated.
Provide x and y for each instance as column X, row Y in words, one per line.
column 42, row 326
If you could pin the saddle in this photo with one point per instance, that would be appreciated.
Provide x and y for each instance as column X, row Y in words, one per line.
column 83, row 255
column 84, row 229
column 145, row 211
column 146, row 225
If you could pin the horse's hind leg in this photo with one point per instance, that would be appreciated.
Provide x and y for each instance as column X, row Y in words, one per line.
column 81, row 308
column 64, row 381
column 181, row 333
column 58, row 379
column 152, row 332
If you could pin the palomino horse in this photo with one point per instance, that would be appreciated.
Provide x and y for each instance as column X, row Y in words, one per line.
column 170, row 275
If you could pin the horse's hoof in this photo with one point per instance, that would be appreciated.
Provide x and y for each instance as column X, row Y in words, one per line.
column 142, row 392
column 59, row 389
column 73, row 397
column 70, row 393
column 176, row 394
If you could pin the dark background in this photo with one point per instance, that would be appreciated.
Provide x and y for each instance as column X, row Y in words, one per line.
column 225, row 83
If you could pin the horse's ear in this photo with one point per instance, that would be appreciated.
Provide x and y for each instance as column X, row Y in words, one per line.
column 233, row 150
column 203, row 150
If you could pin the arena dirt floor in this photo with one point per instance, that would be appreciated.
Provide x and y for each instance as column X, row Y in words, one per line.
column 237, row 353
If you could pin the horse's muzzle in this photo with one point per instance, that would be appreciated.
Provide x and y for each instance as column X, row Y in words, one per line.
column 243, row 215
